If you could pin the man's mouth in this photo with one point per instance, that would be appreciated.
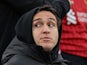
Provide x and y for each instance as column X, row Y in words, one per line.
column 46, row 38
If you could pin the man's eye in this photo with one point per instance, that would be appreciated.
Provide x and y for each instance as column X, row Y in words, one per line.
column 37, row 25
column 51, row 25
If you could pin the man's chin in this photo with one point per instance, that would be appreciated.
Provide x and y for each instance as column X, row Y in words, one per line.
column 47, row 47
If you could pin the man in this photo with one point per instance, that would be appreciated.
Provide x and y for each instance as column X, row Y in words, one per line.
column 11, row 10
column 37, row 39
column 74, row 37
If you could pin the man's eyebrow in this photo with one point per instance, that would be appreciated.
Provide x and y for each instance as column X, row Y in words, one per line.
column 52, row 19
column 37, row 19
column 41, row 19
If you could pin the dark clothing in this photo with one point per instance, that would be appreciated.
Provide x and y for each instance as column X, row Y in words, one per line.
column 61, row 6
column 22, row 54
column 75, row 60
column 24, row 51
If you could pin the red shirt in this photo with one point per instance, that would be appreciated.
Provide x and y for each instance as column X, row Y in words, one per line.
column 74, row 36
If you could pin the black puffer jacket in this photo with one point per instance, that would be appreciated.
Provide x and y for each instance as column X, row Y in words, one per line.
column 24, row 51
column 19, row 53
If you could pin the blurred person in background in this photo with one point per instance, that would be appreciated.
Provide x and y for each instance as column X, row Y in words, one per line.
column 74, row 35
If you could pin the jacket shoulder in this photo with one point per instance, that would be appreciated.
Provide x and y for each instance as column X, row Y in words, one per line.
column 21, row 60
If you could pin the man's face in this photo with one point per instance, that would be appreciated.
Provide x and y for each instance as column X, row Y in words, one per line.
column 45, row 30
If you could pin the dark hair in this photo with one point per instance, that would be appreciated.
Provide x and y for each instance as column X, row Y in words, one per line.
column 52, row 10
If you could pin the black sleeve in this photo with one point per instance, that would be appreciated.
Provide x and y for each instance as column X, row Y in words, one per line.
column 62, row 6
column 22, row 6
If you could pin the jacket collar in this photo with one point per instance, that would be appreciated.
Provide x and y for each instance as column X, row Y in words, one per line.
column 39, row 54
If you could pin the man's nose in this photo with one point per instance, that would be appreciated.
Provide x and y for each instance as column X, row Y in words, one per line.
column 45, row 29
